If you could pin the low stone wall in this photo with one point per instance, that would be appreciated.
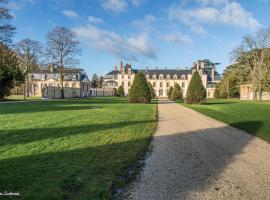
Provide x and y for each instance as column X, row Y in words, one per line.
column 55, row 92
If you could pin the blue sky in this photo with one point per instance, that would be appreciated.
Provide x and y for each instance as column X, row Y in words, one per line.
column 152, row 33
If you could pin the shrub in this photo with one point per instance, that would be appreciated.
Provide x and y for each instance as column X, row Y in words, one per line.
column 153, row 94
column 121, row 91
column 196, row 93
column 169, row 92
column 176, row 92
column 139, row 91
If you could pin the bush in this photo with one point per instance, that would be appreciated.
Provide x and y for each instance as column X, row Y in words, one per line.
column 153, row 94
column 121, row 91
column 169, row 92
column 139, row 91
column 176, row 92
column 196, row 93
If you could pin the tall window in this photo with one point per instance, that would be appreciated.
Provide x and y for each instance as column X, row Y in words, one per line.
column 160, row 84
column 129, row 84
column 154, row 76
column 168, row 77
column 168, row 84
column 183, row 85
column 161, row 76
column 154, row 84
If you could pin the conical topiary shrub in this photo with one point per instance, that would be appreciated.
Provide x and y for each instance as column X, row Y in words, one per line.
column 139, row 91
column 196, row 93
column 120, row 91
column 169, row 92
column 153, row 94
column 176, row 92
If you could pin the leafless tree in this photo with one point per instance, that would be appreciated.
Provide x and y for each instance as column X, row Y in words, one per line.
column 6, row 29
column 62, row 48
column 253, row 53
column 29, row 52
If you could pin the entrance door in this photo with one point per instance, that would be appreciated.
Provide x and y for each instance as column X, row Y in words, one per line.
column 160, row 92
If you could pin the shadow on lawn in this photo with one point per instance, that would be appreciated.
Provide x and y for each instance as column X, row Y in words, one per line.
column 24, row 136
column 90, row 172
column 220, row 103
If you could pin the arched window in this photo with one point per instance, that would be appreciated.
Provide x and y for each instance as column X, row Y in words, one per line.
column 168, row 77
column 161, row 76
column 154, row 77
column 175, row 77
column 183, row 77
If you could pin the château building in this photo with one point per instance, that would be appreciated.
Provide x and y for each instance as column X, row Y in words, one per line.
column 162, row 79
column 74, row 78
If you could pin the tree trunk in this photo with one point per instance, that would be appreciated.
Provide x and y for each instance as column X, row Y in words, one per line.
column 61, row 82
column 24, row 91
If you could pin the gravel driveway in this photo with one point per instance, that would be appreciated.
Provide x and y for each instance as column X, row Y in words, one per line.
column 197, row 157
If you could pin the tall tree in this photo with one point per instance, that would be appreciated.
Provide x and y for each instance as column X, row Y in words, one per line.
column 100, row 82
column 94, row 81
column 9, row 70
column 7, row 30
column 196, row 93
column 29, row 52
column 252, row 54
column 62, row 48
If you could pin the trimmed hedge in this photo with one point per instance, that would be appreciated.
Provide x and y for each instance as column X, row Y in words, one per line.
column 139, row 91
column 176, row 92
column 120, row 91
column 153, row 94
column 169, row 92
column 196, row 93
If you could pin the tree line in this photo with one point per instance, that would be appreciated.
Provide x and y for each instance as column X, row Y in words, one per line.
column 19, row 59
column 252, row 65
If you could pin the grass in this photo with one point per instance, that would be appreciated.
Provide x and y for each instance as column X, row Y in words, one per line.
column 72, row 149
column 253, row 117
column 21, row 98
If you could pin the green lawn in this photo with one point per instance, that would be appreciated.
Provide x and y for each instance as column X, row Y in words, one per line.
column 72, row 149
column 21, row 98
column 253, row 117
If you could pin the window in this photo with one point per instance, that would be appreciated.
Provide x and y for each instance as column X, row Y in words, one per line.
column 183, row 85
column 175, row 77
column 129, row 84
column 168, row 84
column 154, row 77
column 129, row 77
column 168, row 77
column 147, row 77
column 160, row 84
column 161, row 77
column 123, row 84
column 154, row 84
column 73, row 85
column 183, row 77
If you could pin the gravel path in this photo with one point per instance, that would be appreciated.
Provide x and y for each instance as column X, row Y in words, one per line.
column 197, row 157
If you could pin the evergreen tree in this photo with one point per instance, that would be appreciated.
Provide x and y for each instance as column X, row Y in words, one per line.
column 100, row 82
column 169, row 92
column 196, row 93
column 9, row 71
column 94, row 82
column 176, row 92
column 120, row 91
column 139, row 91
column 153, row 94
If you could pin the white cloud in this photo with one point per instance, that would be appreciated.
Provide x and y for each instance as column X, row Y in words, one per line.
column 145, row 24
column 178, row 38
column 128, row 48
column 70, row 14
column 216, row 2
column 137, row 2
column 231, row 14
column 95, row 20
column 115, row 5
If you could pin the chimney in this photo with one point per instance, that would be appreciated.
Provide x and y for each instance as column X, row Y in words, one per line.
column 146, row 69
column 213, row 72
column 156, row 68
column 115, row 67
column 178, row 68
column 121, row 66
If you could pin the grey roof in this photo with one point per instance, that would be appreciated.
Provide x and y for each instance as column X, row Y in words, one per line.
column 157, row 72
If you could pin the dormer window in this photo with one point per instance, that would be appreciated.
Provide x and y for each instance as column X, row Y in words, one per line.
column 183, row 77
column 168, row 77
column 154, row 77
column 161, row 76
column 147, row 77
column 175, row 77
column 201, row 72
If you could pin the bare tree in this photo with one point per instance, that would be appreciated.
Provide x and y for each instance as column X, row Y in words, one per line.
column 252, row 53
column 6, row 29
column 29, row 52
column 62, row 48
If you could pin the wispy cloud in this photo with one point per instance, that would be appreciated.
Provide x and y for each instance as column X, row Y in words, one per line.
column 132, row 48
column 95, row 20
column 70, row 14
column 115, row 5
column 230, row 14
column 178, row 38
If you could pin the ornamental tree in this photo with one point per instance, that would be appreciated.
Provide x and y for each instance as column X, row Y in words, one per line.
column 196, row 93
column 120, row 91
column 139, row 91
column 176, row 92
